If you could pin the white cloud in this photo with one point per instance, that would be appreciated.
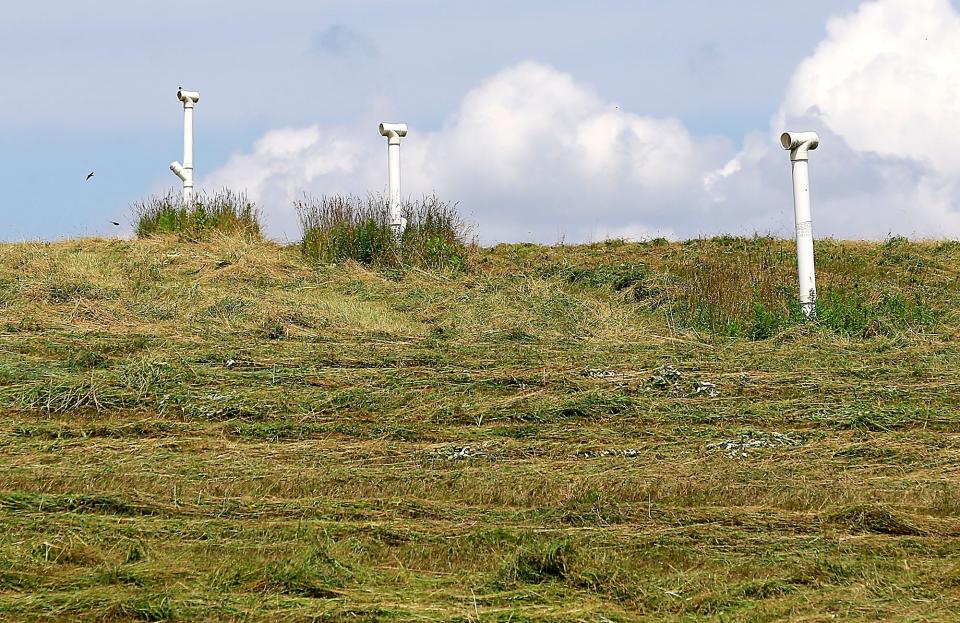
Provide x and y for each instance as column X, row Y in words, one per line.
column 883, row 90
column 288, row 162
column 533, row 132
column 536, row 155
column 887, row 79
column 532, row 154
column 855, row 194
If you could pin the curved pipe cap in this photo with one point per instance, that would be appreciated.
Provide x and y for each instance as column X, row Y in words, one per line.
column 178, row 170
column 393, row 131
column 799, row 143
column 188, row 97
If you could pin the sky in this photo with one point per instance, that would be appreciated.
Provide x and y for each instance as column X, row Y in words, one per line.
column 546, row 120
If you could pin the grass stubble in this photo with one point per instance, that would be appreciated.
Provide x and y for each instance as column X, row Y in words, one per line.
column 225, row 429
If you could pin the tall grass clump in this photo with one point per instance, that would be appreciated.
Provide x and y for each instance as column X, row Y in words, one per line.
column 747, row 287
column 223, row 211
column 343, row 227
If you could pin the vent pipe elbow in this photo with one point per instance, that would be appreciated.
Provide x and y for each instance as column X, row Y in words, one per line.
column 188, row 98
column 178, row 170
column 799, row 144
column 393, row 131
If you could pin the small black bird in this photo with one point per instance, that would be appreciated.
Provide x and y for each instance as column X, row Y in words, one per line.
column 89, row 175
column 115, row 223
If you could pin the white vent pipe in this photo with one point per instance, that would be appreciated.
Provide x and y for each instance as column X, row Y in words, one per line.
column 800, row 144
column 394, row 132
column 185, row 171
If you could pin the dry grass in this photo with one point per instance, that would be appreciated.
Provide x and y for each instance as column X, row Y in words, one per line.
column 224, row 431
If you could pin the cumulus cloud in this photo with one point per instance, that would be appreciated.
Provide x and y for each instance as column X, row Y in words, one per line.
column 883, row 90
column 533, row 154
column 532, row 151
column 855, row 194
column 284, row 164
column 887, row 79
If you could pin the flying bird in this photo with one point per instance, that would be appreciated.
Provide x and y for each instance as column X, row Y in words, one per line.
column 115, row 223
column 89, row 175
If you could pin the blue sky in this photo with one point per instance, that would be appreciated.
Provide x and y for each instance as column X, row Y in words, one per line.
column 90, row 86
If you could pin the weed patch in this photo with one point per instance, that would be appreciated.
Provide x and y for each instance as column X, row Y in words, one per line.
column 340, row 228
column 225, row 212
column 746, row 288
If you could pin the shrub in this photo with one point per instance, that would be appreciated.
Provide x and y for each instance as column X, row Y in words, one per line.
column 340, row 228
column 223, row 211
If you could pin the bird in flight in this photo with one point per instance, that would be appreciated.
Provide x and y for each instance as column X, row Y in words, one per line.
column 89, row 175
column 115, row 223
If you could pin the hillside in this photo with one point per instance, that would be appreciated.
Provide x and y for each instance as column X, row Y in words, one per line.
column 615, row 432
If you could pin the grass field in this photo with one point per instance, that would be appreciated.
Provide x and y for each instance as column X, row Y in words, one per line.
column 222, row 430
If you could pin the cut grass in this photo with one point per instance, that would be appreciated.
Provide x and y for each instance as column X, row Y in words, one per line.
column 225, row 429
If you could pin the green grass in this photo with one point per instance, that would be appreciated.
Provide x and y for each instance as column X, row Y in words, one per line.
column 228, row 429
column 743, row 287
column 224, row 212
column 340, row 228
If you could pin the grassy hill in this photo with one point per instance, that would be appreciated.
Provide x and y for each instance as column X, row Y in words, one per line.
column 222, row 430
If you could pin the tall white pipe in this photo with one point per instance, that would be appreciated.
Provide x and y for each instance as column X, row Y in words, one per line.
column 800, row 144
column 185, row 171
column 394, row 132
column 393, row 166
